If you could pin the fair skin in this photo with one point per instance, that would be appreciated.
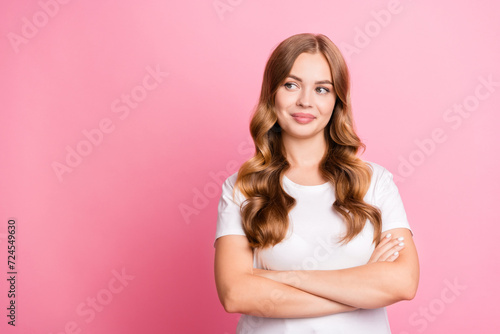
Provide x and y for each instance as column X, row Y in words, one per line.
column 307, row 89
column 391, row 274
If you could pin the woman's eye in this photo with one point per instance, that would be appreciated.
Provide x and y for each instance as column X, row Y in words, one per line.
column 290, row 85
column 322, row 90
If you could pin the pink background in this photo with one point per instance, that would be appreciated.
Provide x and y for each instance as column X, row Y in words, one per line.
column 142, row 200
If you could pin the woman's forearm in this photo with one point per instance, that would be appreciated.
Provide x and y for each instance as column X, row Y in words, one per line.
column 373, row 285
column 241, row 290
column 368, row 286
column 259, row 296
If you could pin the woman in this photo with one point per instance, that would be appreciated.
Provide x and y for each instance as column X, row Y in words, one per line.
column 310, row 238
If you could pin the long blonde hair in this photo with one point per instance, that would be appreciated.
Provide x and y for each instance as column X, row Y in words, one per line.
column 265, row 210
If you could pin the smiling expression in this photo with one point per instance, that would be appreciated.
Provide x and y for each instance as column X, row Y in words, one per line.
column 304, row 102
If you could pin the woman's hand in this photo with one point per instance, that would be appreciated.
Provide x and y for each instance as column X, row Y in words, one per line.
column 388, row 249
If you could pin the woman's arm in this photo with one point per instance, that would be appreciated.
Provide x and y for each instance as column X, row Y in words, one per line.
column 376, row 284
column 240, row 291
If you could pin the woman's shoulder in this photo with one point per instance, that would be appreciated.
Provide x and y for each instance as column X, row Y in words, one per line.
column 378, row 170
column 380, row 175
column 231, row 180
column 228, row 187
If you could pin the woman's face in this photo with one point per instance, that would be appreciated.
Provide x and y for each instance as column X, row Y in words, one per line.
column 304, row 102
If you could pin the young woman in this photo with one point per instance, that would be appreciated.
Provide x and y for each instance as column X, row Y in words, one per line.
column 310, row 238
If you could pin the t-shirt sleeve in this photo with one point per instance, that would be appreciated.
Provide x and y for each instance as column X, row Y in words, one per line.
column 390, row 203
column 229, row 216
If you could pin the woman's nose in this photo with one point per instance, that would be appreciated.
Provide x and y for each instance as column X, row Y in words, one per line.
column 305, row 99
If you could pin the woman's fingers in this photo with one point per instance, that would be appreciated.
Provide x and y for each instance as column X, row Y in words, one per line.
column 388, row 249
column 392, row 253
column 383, row 246
column 380, row 248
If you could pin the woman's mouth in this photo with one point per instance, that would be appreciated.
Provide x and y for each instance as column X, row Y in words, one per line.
column 303, row 118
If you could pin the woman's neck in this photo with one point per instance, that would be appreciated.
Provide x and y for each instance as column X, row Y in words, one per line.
column 304, row 153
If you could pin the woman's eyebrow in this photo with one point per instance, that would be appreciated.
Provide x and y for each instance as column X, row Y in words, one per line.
column 317, row 82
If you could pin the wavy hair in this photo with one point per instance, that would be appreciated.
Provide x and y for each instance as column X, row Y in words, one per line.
column 265, row 210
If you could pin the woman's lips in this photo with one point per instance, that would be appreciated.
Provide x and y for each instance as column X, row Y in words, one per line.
column 303, row 118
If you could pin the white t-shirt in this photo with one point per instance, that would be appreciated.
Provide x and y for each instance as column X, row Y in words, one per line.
column 312, row 244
